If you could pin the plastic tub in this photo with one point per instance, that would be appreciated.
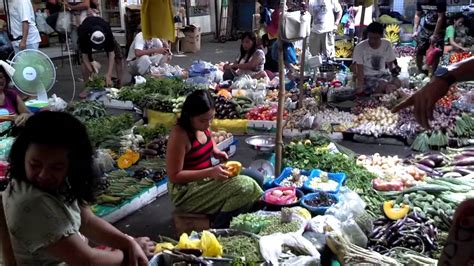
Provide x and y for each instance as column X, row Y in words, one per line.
column 317, row 210
column 275, row 207
column 338, row 177
column 287, row 172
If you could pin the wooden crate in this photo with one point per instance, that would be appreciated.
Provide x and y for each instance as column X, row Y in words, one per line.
column 187, row 222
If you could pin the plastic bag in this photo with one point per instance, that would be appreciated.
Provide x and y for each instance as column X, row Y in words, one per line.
column 317, row 228
column 186, row 242
column 63, row 24
column 210, row 246
column 302, row 261
column 103, row 162
column 431, row 54
column 56, row 103
column 350, row 204
column 139, row 80
column 353, row 233
column 271, row 246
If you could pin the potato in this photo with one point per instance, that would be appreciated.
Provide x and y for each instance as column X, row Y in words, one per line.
column 277, row 193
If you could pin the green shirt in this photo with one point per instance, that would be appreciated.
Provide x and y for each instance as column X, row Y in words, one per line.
column 450, row 33
column 36, row 219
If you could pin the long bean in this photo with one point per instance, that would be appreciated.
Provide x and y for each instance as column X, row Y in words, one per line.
column 241, row 247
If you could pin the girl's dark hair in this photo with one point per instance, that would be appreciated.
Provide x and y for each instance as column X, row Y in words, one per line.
column 62, row 130
column 5, row 74
column 252, row 50
column 197, row 103
column 457, row 16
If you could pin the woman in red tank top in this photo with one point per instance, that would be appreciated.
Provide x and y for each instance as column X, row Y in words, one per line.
column 194, row 184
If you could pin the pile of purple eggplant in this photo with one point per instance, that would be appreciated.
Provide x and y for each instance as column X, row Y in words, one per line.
column 414, row 232
column 453, row 163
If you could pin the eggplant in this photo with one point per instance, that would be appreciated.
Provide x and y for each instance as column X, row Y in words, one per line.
column 464, row 161
column 428, row 170
column 427, row 162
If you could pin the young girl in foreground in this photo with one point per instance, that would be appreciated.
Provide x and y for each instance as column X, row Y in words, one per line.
column 46, row 203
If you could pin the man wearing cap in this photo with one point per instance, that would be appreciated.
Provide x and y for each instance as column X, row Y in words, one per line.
column 95, row 34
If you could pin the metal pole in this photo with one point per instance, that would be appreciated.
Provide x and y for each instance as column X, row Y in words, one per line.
column 302, row 67
column 362, row 24
column 281, row 95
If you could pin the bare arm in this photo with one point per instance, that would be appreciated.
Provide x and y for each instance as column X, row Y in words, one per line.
column 462, row 71
column 24, row 31
column 175, row 152
column 250, row 65
column 110, row 69
column 139, row 52
column 85, row 58
column 21, row 107
column 73, row 250
column 455, row 44
column 338, row 17
column 360, row 76
column 416, row 22
column 439, row 23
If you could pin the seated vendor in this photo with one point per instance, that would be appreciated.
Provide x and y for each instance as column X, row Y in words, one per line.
column 145, row 53
column 251, row 61
column 195, row 185
column 10, row 102
column 371, row 57
column 47, row 202
column 456, row 35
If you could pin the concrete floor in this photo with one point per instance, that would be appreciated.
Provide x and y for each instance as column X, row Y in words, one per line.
column 156, row 218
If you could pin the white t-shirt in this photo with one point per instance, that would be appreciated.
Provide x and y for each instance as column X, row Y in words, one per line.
column 374, row 60
column 323, row 14
column 22, row 10
column 140, row 44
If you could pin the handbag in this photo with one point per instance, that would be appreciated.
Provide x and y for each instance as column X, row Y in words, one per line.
column 296, row 25
column 431, row 54
column 63, row 24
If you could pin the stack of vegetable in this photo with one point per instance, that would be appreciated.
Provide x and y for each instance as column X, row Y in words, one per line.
column 358, row 178
column 296, row 179
column 323, row 183
column 122, row 186
column 178, row 104
column 104, row 132
column 220, row 136
column 405, row 50
column 327, row 118
column 265, row 112
column 454, row 163
column 227, row 109
column 414, row 232
column 391, row 172
column 241, row 247
column 447, row 100
column 87, row 110
column 96, row 82
column 376, row 122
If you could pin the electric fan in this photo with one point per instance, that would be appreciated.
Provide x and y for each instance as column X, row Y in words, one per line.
column 33, row 73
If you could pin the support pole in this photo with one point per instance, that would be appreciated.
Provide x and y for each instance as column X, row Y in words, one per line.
column 302, row 67
column 281, row 95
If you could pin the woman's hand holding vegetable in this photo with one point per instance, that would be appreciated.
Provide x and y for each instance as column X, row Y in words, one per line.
column 219, row 172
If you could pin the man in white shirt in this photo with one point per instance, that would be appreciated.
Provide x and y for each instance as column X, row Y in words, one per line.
column 371, row 57
column 143, row 54
column 23, row 27
column 324, row 26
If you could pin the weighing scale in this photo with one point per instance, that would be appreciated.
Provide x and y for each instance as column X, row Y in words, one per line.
column 264, row 161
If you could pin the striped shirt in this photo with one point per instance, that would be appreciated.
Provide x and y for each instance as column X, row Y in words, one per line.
column 199, row 156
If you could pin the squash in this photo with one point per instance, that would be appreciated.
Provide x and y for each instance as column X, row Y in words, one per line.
column 225, row 93
column 132, row 155
column 233, row 167
column 395, row 213
column 124, row 162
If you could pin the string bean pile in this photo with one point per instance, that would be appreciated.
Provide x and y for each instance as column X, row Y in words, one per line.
column 241, row 247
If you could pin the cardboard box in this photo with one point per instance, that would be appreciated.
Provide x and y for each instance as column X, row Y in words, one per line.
column 191, row 44
column 192, row 30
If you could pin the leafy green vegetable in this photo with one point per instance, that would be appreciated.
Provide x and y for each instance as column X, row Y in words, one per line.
column 96, row 82
column 108, row 127
column 149, row 133
column 86, row 110
column 241, row 247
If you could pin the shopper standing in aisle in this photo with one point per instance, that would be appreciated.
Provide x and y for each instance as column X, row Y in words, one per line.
column 432, row 30
column 79, row 10
column 322, row 39
column 47, row 201
column 22, row 26
column 459, row 248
